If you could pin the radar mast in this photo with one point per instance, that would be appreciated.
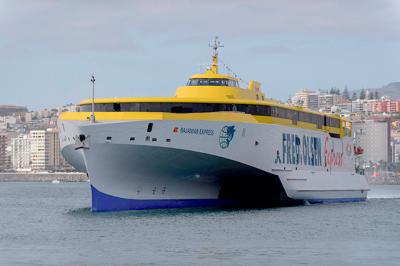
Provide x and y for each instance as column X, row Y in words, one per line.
column 215, row 46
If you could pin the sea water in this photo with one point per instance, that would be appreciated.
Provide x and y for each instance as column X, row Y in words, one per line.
column 51, row 224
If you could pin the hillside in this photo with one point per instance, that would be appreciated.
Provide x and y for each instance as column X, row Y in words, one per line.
column 392, row 90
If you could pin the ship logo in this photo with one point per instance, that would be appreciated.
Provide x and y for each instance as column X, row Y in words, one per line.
column 226, row 136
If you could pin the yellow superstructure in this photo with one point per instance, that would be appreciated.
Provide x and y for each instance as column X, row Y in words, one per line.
column 213, row 96
column 226, row 86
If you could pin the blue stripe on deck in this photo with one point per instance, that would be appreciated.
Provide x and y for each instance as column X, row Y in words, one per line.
column 105, row 202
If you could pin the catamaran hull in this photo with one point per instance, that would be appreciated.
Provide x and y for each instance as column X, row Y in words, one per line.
column 171, row 164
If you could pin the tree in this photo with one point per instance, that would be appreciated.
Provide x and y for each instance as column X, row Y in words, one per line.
column 334, row 91
column 376, row 95
column 362, row 94
column 346, row 95
column 354, row 96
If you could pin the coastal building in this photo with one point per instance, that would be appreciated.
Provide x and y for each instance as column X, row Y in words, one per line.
column 52, row 145
column 346, row 106
column 370, row 106
column 374, row 137
column 364, row 106
column 3, row 155
column 306, row 98
column 38, row 149
column 21, row 152
column 28, row 117
column 396, row 152
column 326, row 101
column 69, row 108
column 45, row 150
column 3, row 125
column 386, row 105
column 357, row 106
column 6, row 110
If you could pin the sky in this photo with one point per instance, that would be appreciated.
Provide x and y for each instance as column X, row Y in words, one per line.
column 49, row 49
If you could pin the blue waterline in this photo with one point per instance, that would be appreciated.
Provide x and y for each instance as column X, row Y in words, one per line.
column 104, row 202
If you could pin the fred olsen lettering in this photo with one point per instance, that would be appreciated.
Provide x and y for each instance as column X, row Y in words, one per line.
column 299, row 150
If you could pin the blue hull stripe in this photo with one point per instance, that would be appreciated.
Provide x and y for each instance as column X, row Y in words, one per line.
column 105, row 202
column 338, row 200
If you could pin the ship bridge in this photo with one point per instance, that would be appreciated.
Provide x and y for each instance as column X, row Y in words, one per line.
column 213, row 85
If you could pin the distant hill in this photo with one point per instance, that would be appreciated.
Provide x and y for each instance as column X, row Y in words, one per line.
column 392, row 90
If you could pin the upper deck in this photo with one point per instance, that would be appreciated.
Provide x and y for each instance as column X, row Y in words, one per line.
column 212, row 92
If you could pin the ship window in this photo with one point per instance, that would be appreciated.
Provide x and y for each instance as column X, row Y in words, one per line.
column 149, row 127
column 191, row 108
column 182, row 108
column 98, row 107
column 212, row 82
column 233, row 83
column 332, row 122
column 117, row 107
column 130, row 107
column 146, row 107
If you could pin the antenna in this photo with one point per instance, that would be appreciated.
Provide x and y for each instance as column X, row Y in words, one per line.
column 215, row 46
column 92, row 118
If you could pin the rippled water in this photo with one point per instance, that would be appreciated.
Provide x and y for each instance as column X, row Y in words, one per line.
column 51, row 224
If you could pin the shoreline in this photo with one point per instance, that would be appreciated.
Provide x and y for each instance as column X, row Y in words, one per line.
column 82, row 177
column 43, row 177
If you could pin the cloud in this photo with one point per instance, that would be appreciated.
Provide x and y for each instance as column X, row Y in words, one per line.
column 70, row 26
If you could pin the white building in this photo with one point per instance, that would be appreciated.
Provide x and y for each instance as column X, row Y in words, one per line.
column 3, row 146
column 69, row 108
column 374, row 138
column 45, row 150
column 346, row 107
column 38, row 149
column 20, row 153
column 326, row 101
column 357, row 106
column 307, row 99
column 364, row 106
column 396, row 152
column 28, row 117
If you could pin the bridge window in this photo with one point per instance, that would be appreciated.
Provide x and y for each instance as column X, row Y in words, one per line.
column 213, row 82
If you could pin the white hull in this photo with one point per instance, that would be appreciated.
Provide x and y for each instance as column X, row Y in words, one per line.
column 190, row 163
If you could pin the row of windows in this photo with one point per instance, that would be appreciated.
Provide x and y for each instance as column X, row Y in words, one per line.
column 213, row 82
column 263, row 110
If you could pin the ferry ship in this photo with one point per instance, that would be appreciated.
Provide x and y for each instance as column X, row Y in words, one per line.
column 212, row 144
